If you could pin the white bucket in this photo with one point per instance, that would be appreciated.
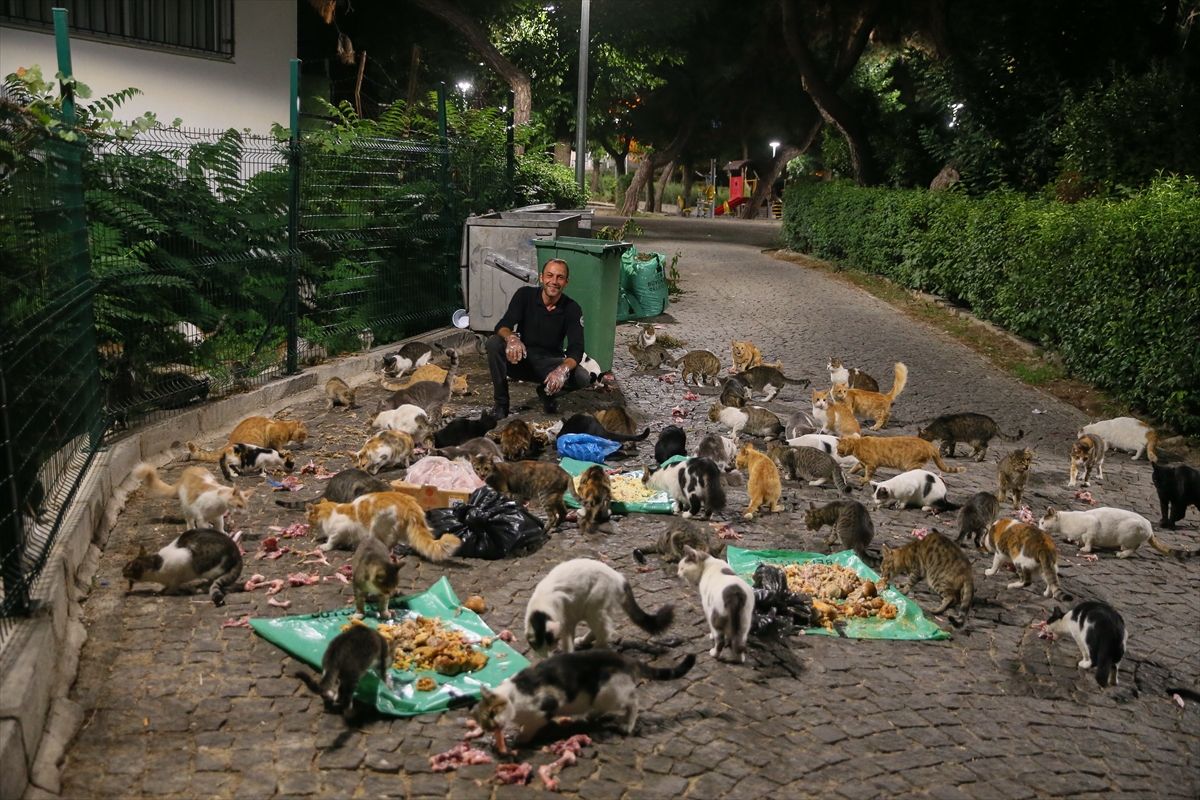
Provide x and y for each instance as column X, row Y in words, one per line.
column 460, row 318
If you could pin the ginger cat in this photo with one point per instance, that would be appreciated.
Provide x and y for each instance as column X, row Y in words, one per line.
column 834, row 417
column 746, row 355
column 763, row 485
column 875, row 405
column 204, row 501
column 895, row 452
column 388, row 516
column 260, row 431
column 427, row 372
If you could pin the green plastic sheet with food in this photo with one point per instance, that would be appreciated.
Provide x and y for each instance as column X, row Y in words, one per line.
column 658, row 503
column 910, row 621
column 306, row 638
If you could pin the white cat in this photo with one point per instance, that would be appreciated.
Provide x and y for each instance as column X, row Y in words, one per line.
column 1107, row 528
column 727, row 600
column 584, row 590
column 917, row 488
column 203, row 500
column 407, row 418
column 1126, row 433
column 826, row 443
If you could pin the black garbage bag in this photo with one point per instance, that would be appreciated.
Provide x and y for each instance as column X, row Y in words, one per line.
column 491, row 526
column 778, row 611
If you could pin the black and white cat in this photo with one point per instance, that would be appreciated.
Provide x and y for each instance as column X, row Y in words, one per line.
column 672, row 441
column 917, row 488
column 243, row 459
column 346, row 660
column 1100, row 633
column 727, row 600
column 410, row 356
column 694, row 484
column 197, row 555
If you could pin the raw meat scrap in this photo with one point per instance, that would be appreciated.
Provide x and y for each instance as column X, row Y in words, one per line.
column 512, row 774
column 462, row 753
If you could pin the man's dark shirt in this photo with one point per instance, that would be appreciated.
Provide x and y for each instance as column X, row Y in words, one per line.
column 543, row 331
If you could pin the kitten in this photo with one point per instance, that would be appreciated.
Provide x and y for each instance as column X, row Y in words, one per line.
column 767, row 380
column 763, row 484
column 977, row 516
column 652, row 356
column 197, row 555
column 809, row 464
column 747, row 356
column 410, row 419
column 258, row 431
column 833, row 417
column 517, row 441
column 595, row 494
column 1126, row 433
column 854, row 378
column 1027, row 548
column 410, row 356
column 721, row 450
column 384, row 450
column 894, row 452
column 1099, row 632
column 460, row 429
column 1178, row 487
column 429, row 372
column 482, row 447
column 584, row 590
column 974, row 429
column 375, row 574
column 1087, row 454
column 366, row 338
column 694, row 484
column 1013, row 471
column 850, row 523
column 943, row 566
column 800, row 423
column 647, row 335
column 339, row 393
column 586, row 423
column 916, row 488
column 733, row 394
column 754, row 420
column 699, row 365
column 533, row 480
column 203, row 500
column 388, row 516
column 241, row 458
column 344, row 487
column 875, row 405
column 682, row 533
column 597, row 683
column 727, row 600
column 672, row 441
column 428, row 395
column 346, row 660
column 1108, row 528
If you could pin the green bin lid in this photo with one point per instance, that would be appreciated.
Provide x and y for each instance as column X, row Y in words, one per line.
column 593, row 246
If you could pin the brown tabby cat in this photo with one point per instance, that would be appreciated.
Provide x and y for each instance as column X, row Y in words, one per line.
column 834, row 417
column 943, row 566
column 1026, row 547
column 809, row 464
column 1014, row 474
column 618, row 420
column 699, row 365
column 517, row 441
column 595, row 492
column 375, row 574
column 1087, row 454
column 763, row 484
column 746, row 355
column 339, row 393
column 872, row 404
column 895, row 452
column 850, row 522
column 533, row 480
column 427, row 372
column 259, row 431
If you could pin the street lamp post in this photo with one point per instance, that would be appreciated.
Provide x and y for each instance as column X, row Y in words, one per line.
column 581, row 100
column 464, row 86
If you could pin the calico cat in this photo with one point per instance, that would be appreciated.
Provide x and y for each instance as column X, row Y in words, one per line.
column 595, row 494
column 754, row 420
column 977, row 516
column 672, row 441
column 597, row 683
column 747, row 356
column 763, row 484
column 1126, row 433
column 388, row 516
column 1100, row 633
column 681, row 533
column 1087, row 454
column 586, row 423
column 733, row 394
column 850, row 523
column 721, row 450
column 800, row 423
column 895, row 452
column 1108, row 528
column 854, row 378
column 339, row 393
column 767, row 380
column 482, row 447
column 974, row 429
column 652, row 356
column 408, row 418
column 875, row 405
column 533, row 480
column 410, row 356
column 384, row 450
column 429, row 372
column 375, row 574
column 430, row 396
column 241, row 458
column 1013, row 471
column 699, row 365
column 916, row 488
column 517, row 441
column 694, row 484
column 197, row 555
column 1178, row 487
column 258, row 431
column 647, row 335
column 1026, row 547
column 344, row 487
column 460, row 429
column 833, row 417
column 347, row 658
column 727, row 600
column 943, row 566
column 203, row 500
column 809, row 464
column 584, row 590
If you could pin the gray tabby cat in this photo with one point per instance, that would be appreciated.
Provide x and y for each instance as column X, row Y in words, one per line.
column 651, row 356
column 682, row 533
column 809, row 464
column 733, row 394
column 428, row 395
column 345, row 487
column 346, row 660
column 482, row 447
column 849, row 521
column 976, row 517
column 197, row 555
column 943, row 566
column 767, row 380
column 721, row 450
column 800, row 424
column 699, row 365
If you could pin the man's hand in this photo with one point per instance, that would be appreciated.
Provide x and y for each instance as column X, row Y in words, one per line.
column 556, row 379
column 514, row 349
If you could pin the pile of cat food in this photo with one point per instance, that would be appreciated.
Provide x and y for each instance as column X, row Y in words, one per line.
column 430, row 644
column 838, row 591
column 628, row 489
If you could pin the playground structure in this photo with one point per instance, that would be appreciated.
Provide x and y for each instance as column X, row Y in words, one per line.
column 743, row 180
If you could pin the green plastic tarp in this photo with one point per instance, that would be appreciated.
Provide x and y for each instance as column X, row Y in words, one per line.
column 660, row 503
column 306, row 638
column 910, row 621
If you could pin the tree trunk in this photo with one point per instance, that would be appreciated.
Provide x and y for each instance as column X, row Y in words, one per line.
column 663, row 180
column 477, row 37
column 689, row 171
column 595, row 176
column 655, row 160
column 786, row 153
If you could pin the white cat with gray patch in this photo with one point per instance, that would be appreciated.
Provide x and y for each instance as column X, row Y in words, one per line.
column 727, row 600
column 917, row 488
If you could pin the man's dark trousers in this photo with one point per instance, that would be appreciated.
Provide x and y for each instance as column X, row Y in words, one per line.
column 532, row 368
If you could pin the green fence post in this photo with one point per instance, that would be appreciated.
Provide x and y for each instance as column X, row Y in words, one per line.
column 12, row 530
column 510, row 170
column 63, row 43
column 293, row 286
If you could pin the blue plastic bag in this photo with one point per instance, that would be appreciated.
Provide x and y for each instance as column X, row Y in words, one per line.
column 582, row 447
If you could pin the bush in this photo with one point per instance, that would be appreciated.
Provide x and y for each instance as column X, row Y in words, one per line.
column 1112, row 285
column 540, row 180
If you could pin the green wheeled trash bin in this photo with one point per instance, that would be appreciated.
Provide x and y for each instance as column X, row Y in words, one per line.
column 595, row 282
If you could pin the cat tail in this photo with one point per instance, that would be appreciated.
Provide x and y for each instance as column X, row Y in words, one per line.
column 149, row 476
column 450, row 370
column 964, row 607
column 627, row 437
column 1186, row 694
column 666, row 673
column 1177, row 552
column 944, row 505
column 393, row 386
column 937, row 459
column 868, row 559
column 311, row 682
column 899, row 383
column 794, row 381
column 429, row 548
column 1151, row 443
column 650, row 623
column 296, row 503
column 839, row 480
column 220, row 585
column 1020, row 435
column 203, row 455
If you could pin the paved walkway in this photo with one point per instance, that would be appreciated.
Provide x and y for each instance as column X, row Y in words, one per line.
column 179, row 707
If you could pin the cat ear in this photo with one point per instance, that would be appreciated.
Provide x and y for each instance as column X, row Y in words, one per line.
column 887, row 551
column 812, row 506
column 1050, row 512
column 486, row 693
column 142, row 552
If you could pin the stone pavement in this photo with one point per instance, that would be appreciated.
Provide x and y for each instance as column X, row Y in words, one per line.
column 179, row 707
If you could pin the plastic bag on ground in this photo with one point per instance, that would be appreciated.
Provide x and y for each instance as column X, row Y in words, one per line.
column 584, row 447
column 778, row 611
column 491, row 526
column 444, row 474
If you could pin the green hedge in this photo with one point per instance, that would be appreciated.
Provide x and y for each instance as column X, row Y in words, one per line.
column 1112, row 285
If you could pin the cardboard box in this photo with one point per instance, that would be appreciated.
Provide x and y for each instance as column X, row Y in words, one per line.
column 431, row 496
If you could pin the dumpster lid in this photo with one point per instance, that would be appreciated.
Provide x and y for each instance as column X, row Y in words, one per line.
column 594, row 246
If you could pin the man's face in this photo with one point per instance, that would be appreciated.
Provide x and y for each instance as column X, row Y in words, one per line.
column 554, row 280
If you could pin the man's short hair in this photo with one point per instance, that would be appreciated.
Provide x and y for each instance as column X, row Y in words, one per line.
column 566, row 267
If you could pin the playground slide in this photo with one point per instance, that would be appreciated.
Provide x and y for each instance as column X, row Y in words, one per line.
column 729, row 205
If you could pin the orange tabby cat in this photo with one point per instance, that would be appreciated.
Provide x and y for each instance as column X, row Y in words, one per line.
column 427, row 372
column 204, row 501
column 875, row 405
column 746, row 355
column 763, row 484
column 1026, row 547
column 834, row 417
column 259, row 431
column 895, row 452
column 388, row 516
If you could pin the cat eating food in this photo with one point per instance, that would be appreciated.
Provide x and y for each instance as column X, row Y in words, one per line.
column 347, row 658
column 197, row 555
column 917, row 488
column 517, row 441
column 241, row 458
column 427, row 395
column 410, row 356
column 1100, row 633
column 460, row 429
column 693, row 485
column 384, row 450
column 977, row 516
column 390, row 517
column 727, row 600
column 681, row 533
column 1107, row 528
column 754, row 420
column 1027, row 548
column 809, row 464
column 533, row 480
column 721, row 450
column 586, row 423
column 339, row 393
column 258, row 431
column 672, row 441
column 375, row 575
column 652, row 356
column 944, row 567
column 767, row 381
column 344, row 487
column 974, row 429
column 850, row 523
column 203, row 500
column 595, row 494
column 409, row 418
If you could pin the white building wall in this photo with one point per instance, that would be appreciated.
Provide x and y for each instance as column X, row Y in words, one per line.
column 248, row 91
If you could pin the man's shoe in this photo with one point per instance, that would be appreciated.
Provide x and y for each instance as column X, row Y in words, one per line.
column 549, row 405
column 499, row 412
